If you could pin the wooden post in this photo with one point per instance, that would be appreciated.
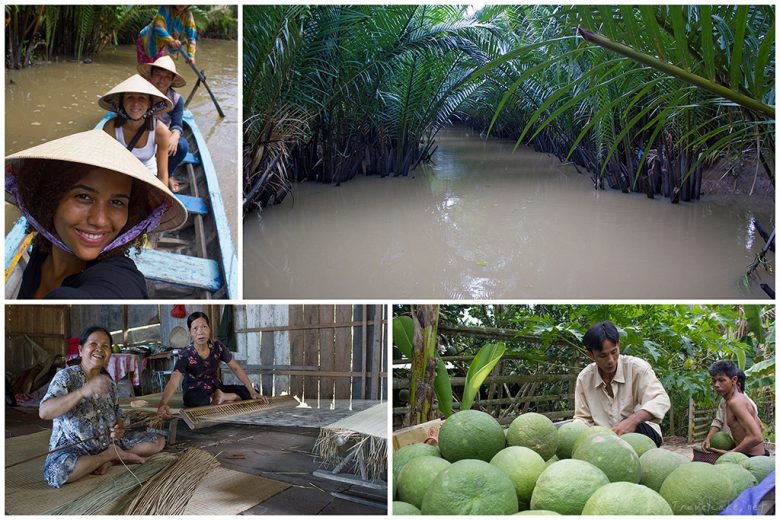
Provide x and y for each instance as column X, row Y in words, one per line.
column 343, row 349
column 296, row 349
column 691, row 413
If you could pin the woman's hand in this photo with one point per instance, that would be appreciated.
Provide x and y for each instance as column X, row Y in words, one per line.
column 259, row 396
column 164, row 412
column 173, row 143
column 176, row 44
column 118, row 430
column 705, row 444
column 96, row 386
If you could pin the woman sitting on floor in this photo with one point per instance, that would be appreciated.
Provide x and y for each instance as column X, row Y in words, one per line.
column 82, row 399
column 198, row 364
column 90, row 200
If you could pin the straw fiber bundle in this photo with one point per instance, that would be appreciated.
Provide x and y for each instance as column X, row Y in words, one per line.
column 208, row 415
column 170, row 490
column 100, row 499
column 360, row 440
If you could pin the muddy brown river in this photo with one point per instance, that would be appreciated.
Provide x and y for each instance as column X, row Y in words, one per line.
column 51, row 100
column 482, row 222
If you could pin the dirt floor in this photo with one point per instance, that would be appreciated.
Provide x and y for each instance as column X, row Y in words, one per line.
column 680, row 445
column 284, row 454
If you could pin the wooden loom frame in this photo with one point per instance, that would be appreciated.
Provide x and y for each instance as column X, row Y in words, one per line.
column 203, row 416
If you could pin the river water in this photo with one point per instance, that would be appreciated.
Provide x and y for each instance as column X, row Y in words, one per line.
column 482, row 222
column 51, row 100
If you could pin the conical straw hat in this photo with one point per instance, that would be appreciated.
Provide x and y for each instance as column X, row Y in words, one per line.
column 135, row 83
column 97, row 148
column 163, row 62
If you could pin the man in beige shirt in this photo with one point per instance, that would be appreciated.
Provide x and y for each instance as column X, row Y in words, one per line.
column 619, row 392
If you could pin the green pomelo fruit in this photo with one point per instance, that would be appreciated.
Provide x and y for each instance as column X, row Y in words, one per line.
column 402, row 508
column 593, row 430
column 416, row 476
column 640, row 443
column 739, row 476
column 567, row 434
column 407, row 453
column 612, row 455
column 523, row 466
column 722, row 441
column 403, row 395
column 657, row 464
column 535, row 431
column 565, row 486
column 626, row 498
column 697, row 488
column 732, row 457
column 471, row 434
column 538, row 512
column 760, row 467
column 470, row 487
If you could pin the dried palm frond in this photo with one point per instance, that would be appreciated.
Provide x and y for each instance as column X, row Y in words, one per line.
column 95, row 501
column 170, row 490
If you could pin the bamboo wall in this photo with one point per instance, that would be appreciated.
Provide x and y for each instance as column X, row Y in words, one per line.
column 317, row 351
column 47, row 325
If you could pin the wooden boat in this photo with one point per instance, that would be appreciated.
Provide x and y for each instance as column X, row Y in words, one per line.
column 198, row 261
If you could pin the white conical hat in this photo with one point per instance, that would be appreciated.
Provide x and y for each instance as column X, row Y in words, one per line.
column 97, row 148
column 135, row 83
column 163, row 62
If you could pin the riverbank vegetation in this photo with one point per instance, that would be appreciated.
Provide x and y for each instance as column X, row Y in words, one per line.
column 79, row 32
column 640, row 98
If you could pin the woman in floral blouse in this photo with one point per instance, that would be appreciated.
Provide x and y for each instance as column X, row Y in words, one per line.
column 198, row 364
column 82, row 399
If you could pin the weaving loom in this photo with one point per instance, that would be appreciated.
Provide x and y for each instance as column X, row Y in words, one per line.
column 203, row 416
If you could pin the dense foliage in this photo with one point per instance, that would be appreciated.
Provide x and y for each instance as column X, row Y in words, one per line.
column 679, row 341
column 81, row 31
column 334, row 91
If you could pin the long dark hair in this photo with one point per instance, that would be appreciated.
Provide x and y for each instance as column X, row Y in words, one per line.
column 84, row 337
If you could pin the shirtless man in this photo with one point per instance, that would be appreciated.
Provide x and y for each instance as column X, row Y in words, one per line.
column 741, row 417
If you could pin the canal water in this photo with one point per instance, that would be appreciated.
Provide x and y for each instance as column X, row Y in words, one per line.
column 482, row 222
column 51, row 100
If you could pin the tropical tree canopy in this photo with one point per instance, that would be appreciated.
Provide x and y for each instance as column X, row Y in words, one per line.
column 641, row 97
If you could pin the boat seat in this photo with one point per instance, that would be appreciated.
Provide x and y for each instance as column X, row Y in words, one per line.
column 191, row 159
column 190, row 271
column 194, row 205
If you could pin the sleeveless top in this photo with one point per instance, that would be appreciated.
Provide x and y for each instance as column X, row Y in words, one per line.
column 146, row 154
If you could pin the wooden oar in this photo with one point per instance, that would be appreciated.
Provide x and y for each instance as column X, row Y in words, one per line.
column 201, row 79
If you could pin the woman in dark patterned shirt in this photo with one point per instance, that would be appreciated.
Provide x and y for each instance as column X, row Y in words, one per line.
column 198, row 364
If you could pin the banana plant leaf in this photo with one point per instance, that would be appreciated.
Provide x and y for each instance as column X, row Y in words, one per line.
column 403, row 332
column 487, row 358
column 443, row 388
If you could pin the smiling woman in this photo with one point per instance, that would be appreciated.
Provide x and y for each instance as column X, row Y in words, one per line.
column 88, row 433
column 91, row 199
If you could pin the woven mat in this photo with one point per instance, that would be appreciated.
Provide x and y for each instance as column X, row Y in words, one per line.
column 223, row 491
column 372, row 421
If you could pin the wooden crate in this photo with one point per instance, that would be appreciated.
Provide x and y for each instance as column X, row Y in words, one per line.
column 415, row 434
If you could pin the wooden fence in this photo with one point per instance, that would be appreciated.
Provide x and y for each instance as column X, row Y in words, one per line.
column 328, row 352
column 507, row 396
